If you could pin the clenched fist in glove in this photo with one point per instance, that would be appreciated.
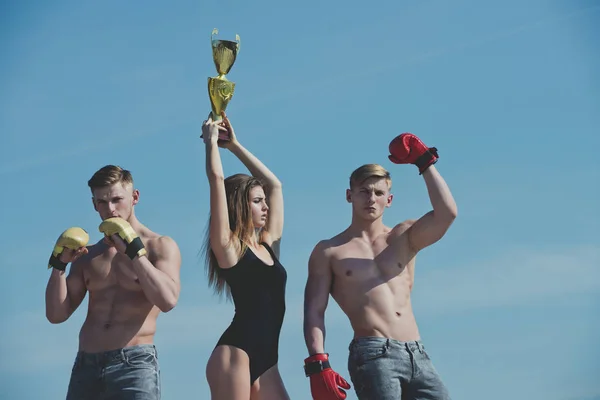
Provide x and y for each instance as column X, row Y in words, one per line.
column 325, row 383
column 409, row 149
column 69, row 246
column 121, row 228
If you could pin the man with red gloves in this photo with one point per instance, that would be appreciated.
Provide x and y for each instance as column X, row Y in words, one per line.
column 369, row 271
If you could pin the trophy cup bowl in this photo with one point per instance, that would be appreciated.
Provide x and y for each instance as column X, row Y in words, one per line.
column 220, row 89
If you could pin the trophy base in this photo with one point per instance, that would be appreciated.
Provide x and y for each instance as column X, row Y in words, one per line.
column 220, row 91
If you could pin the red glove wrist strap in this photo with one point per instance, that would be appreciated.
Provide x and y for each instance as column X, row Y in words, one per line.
column 426, row 159
column 316, row 367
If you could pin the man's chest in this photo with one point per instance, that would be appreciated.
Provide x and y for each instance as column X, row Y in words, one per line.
column 363, row 261
column 111, row 270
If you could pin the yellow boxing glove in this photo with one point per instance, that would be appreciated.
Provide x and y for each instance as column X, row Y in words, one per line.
column 73, row 238
column 119, row 226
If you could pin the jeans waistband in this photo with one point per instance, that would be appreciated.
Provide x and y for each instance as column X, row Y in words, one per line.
column 413, row 345
column 116, row 355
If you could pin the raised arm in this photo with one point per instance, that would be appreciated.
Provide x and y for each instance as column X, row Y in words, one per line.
column 219, row 231
column 432, row 226
column 273, row 188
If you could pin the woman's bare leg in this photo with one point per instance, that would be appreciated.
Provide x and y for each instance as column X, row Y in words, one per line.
column 269, row 386
column 228, row 374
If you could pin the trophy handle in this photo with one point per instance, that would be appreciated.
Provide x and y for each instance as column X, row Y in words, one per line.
column 214, row 32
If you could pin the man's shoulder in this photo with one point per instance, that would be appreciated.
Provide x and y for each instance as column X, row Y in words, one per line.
column 402, row 227
column 155, row 238
column 163, row 239
column 333, row 241
column 328, row 246
column 162, row 243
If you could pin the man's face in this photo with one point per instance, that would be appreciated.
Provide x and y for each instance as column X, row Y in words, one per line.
column 259, row 207
column 370, row 198
column 115, row 201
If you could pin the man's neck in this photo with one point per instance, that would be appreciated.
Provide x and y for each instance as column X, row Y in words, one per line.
column 135, row 224
column 367, row 229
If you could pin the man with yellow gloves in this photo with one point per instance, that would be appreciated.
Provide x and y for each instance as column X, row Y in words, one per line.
column 132, row 275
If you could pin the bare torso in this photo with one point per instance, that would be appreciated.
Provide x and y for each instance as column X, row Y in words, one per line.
column 372, row 283
column 119, row 314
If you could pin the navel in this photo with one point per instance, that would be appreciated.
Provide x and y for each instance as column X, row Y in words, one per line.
column 107, row 325
column 87, row 282
column 400, row 265
column 397, row 313
column 349, row 273
column 137, row 280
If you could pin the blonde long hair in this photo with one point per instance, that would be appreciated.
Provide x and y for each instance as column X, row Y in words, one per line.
column 237, row 192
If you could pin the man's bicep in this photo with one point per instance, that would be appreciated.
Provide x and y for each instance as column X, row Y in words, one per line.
column 319, row 280
column 426, row 231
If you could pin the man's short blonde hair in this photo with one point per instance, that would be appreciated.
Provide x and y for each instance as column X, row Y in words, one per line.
column 367, row 171
column 108, row 176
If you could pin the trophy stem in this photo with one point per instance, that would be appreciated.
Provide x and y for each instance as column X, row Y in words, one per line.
column 215, row 117
column 220, row 92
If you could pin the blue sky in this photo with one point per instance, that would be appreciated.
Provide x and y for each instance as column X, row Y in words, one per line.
column 509, row 92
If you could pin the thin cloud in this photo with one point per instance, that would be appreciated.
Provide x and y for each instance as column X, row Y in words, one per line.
column 516, row 278
column 29, row 163
column 85, row 148
column 32, row 343
column 422, row 57
column 23, row 351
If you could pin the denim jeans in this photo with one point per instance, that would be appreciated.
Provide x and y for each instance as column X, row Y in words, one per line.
column 387, row 369
column 130, row 373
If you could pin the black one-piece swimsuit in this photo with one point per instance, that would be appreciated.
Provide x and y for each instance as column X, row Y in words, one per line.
column 258, row 292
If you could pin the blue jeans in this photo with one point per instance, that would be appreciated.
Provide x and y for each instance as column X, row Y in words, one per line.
column 124, row 374
column 386, row 369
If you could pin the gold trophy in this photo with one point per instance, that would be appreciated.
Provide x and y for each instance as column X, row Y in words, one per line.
column 220, row 89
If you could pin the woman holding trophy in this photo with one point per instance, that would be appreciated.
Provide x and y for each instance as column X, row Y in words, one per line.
column 242, row 255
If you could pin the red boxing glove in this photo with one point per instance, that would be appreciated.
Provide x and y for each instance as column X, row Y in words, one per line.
column 409, row 149
column 325, row 383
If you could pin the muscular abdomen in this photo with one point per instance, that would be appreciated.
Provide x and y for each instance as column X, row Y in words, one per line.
column 378, row 308
column 116, row 318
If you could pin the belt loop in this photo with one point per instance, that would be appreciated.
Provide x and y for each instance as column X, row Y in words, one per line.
column 387, row 343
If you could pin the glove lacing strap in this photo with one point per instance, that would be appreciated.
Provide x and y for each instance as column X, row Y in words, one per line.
column 56, row 263
column 426, row 159
column 314, row 367
column 133, row 247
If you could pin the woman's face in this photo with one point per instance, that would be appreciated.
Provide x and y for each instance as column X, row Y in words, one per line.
column 259, row 207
